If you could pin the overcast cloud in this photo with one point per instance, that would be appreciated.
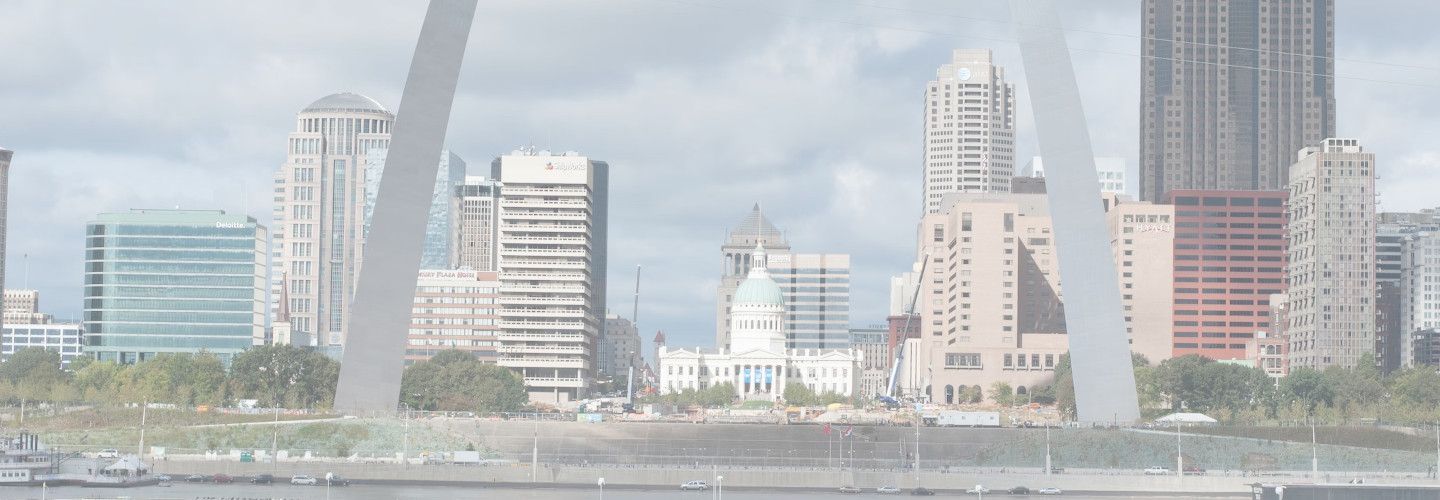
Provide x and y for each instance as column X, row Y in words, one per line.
column 702, row 108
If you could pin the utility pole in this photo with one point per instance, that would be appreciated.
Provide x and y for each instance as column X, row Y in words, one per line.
column 918, row 418
column 1179, row 457
column 275, row 442
column 535, row 454
column 144, row 408
column 1314, row 455
column 1047, row 449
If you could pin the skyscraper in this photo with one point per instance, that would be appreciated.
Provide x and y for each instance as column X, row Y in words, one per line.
column 1331, row 272
column 178, row 281
column 1229, row 259
column 320, row 210
column 552, row 269
column 475, row 224
column 969, row 128
column 991, row 306
column 1231, row 90
column 817, row 298
column 439, row 226
column 454, row 309
column 1401, row 294
column 735, row 256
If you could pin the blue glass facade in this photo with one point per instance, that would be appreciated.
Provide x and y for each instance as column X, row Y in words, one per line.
column 180, row 281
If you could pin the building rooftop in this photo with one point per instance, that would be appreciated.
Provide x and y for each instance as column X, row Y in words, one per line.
column 168, row 216
column 345, row 101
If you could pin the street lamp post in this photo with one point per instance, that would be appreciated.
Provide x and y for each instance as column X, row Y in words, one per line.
column 720, row 487
column 601, row 482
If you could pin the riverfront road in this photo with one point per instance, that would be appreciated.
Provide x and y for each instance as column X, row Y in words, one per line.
column 388, row 492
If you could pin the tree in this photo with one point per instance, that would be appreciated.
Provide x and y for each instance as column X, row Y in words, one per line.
column 1002, row 393
column 1417, row 386
column 1308, row 387
column 34, row 372
column 284, row 375
column 799, row 395
column 455, row 380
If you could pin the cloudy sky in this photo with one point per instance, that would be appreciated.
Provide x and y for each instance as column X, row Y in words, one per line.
column 702, row 108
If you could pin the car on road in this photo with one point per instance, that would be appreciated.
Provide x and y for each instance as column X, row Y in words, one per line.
column 108, row 453
column 304, row 480
column 1018, row 490
column 977, row 490
column 197, row 478
column 222, row 479
column 922, row 492
column 849, row 489
column 162, row 478
column 694, row 486
column 1049, row 491
column 888, row 490
column 1156, row 470
column 1194, row 471
column 335, row 480
column 262, row 479
column 1057, row 470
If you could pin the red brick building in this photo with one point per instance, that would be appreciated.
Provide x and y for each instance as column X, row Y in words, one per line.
column 1229, row 258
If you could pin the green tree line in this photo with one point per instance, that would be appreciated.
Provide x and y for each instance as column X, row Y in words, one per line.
column 1243, row 394
column 274, row 375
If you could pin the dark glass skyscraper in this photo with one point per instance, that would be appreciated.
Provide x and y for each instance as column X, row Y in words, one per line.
column 1231, row 90
column 180, row 281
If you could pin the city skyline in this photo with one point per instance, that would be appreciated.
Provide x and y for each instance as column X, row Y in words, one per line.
column 218, row 146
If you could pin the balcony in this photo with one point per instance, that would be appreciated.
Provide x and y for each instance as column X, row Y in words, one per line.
column 519, row 214
column 504, row 336
column 546, row 288
column 540, row 362
column 545, row 264
column 555, row 301
column 539, row 191
column 563, row 382
column 541, row 349
column 544, row 252
column 544, row 313
column 525, row 239
column 578, row 204
column 510, row 324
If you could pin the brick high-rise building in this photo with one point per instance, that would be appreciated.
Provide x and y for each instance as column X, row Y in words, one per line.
column 1231, row 90
column 1230, row 257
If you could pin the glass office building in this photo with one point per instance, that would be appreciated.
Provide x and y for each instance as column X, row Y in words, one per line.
column 180, row 281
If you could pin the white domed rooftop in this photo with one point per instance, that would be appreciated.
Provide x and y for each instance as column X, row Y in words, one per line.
column 346, row 101
column 758, row 289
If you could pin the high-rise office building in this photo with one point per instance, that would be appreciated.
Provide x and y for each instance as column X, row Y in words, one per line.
column 1393, row 289
column 817, row 298
column 620, row 349
column 179, row 281
column 552, row 269
column 1110, row 171
column 1142, row 240
column 1230, row 257
column 969, row 128
column 1331, row 272
column 475, row 224
column 320, row 211
column 991, row 308
column 873, row 343
column 439, row 227
column 1420, row 304
column 1231, row 90
column 735, row 254
column 454, row 309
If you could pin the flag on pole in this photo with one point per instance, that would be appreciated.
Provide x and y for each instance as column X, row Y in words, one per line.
column 826, row 429
column 848, row 431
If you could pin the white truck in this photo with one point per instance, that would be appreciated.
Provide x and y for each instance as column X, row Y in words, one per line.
column 465, row 457
column 968, row 419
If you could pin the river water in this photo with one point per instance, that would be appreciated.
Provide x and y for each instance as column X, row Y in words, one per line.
column 391, row 492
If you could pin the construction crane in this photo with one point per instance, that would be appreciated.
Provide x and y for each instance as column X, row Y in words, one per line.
column 889, row 397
